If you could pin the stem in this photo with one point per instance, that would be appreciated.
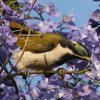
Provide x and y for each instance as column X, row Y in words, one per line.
column 31, row 7
column 92, row 79
column 42, row 72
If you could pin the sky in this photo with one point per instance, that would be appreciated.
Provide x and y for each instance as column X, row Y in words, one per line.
column 82, row 9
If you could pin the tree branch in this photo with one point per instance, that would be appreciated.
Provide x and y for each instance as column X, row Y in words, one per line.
column 43, row 72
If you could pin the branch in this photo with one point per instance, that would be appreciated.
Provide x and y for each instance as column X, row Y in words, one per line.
column 92, row 79
column 31, row 7
column 60, row 72
column 6, row 70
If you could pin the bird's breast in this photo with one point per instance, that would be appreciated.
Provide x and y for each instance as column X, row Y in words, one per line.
column 40, row 61
column 29, row 60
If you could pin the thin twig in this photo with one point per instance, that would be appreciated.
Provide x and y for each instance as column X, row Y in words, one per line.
column 31, row 8
column 41, row 17
column 1, row 71
column 92, row 78
column 6, row 70
column 43, row 72
column 5, row 63
column 23, row 48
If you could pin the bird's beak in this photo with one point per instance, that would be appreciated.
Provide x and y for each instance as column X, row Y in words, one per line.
column 89, row 59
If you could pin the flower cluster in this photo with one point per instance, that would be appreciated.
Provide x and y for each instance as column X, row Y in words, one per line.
column 7, row 41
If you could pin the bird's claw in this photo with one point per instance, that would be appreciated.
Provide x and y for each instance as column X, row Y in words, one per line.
column 27, row 73
column 61, row 72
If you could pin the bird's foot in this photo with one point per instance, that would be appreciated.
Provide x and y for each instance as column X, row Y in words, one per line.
column 61, row 72
column 26, row 74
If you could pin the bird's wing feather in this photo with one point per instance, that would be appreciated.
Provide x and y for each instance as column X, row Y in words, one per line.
column 41, row 44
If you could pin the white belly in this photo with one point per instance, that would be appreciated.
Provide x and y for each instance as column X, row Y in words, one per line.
column 40, row 61
column 30, row 60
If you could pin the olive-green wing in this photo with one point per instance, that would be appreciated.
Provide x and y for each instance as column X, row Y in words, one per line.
column 41, row 44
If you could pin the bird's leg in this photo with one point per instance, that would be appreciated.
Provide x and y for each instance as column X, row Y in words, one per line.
column 61, row 72
column 26, row 74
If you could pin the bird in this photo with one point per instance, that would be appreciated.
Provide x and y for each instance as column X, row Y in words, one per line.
column 48, row 51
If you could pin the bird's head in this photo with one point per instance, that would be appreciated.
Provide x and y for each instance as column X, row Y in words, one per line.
column 79, row 51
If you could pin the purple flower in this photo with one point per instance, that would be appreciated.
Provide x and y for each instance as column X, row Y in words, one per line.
column 10, row 14
column 21, row 97
column 94, row 21
column 6, row 8
column 27, row 5
column 33, row 26
column 85, row 90
column 7, row 41
column 47, row 26
column 69, row 19
column 96, row 15
column 37, row 6
column 51, row 10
